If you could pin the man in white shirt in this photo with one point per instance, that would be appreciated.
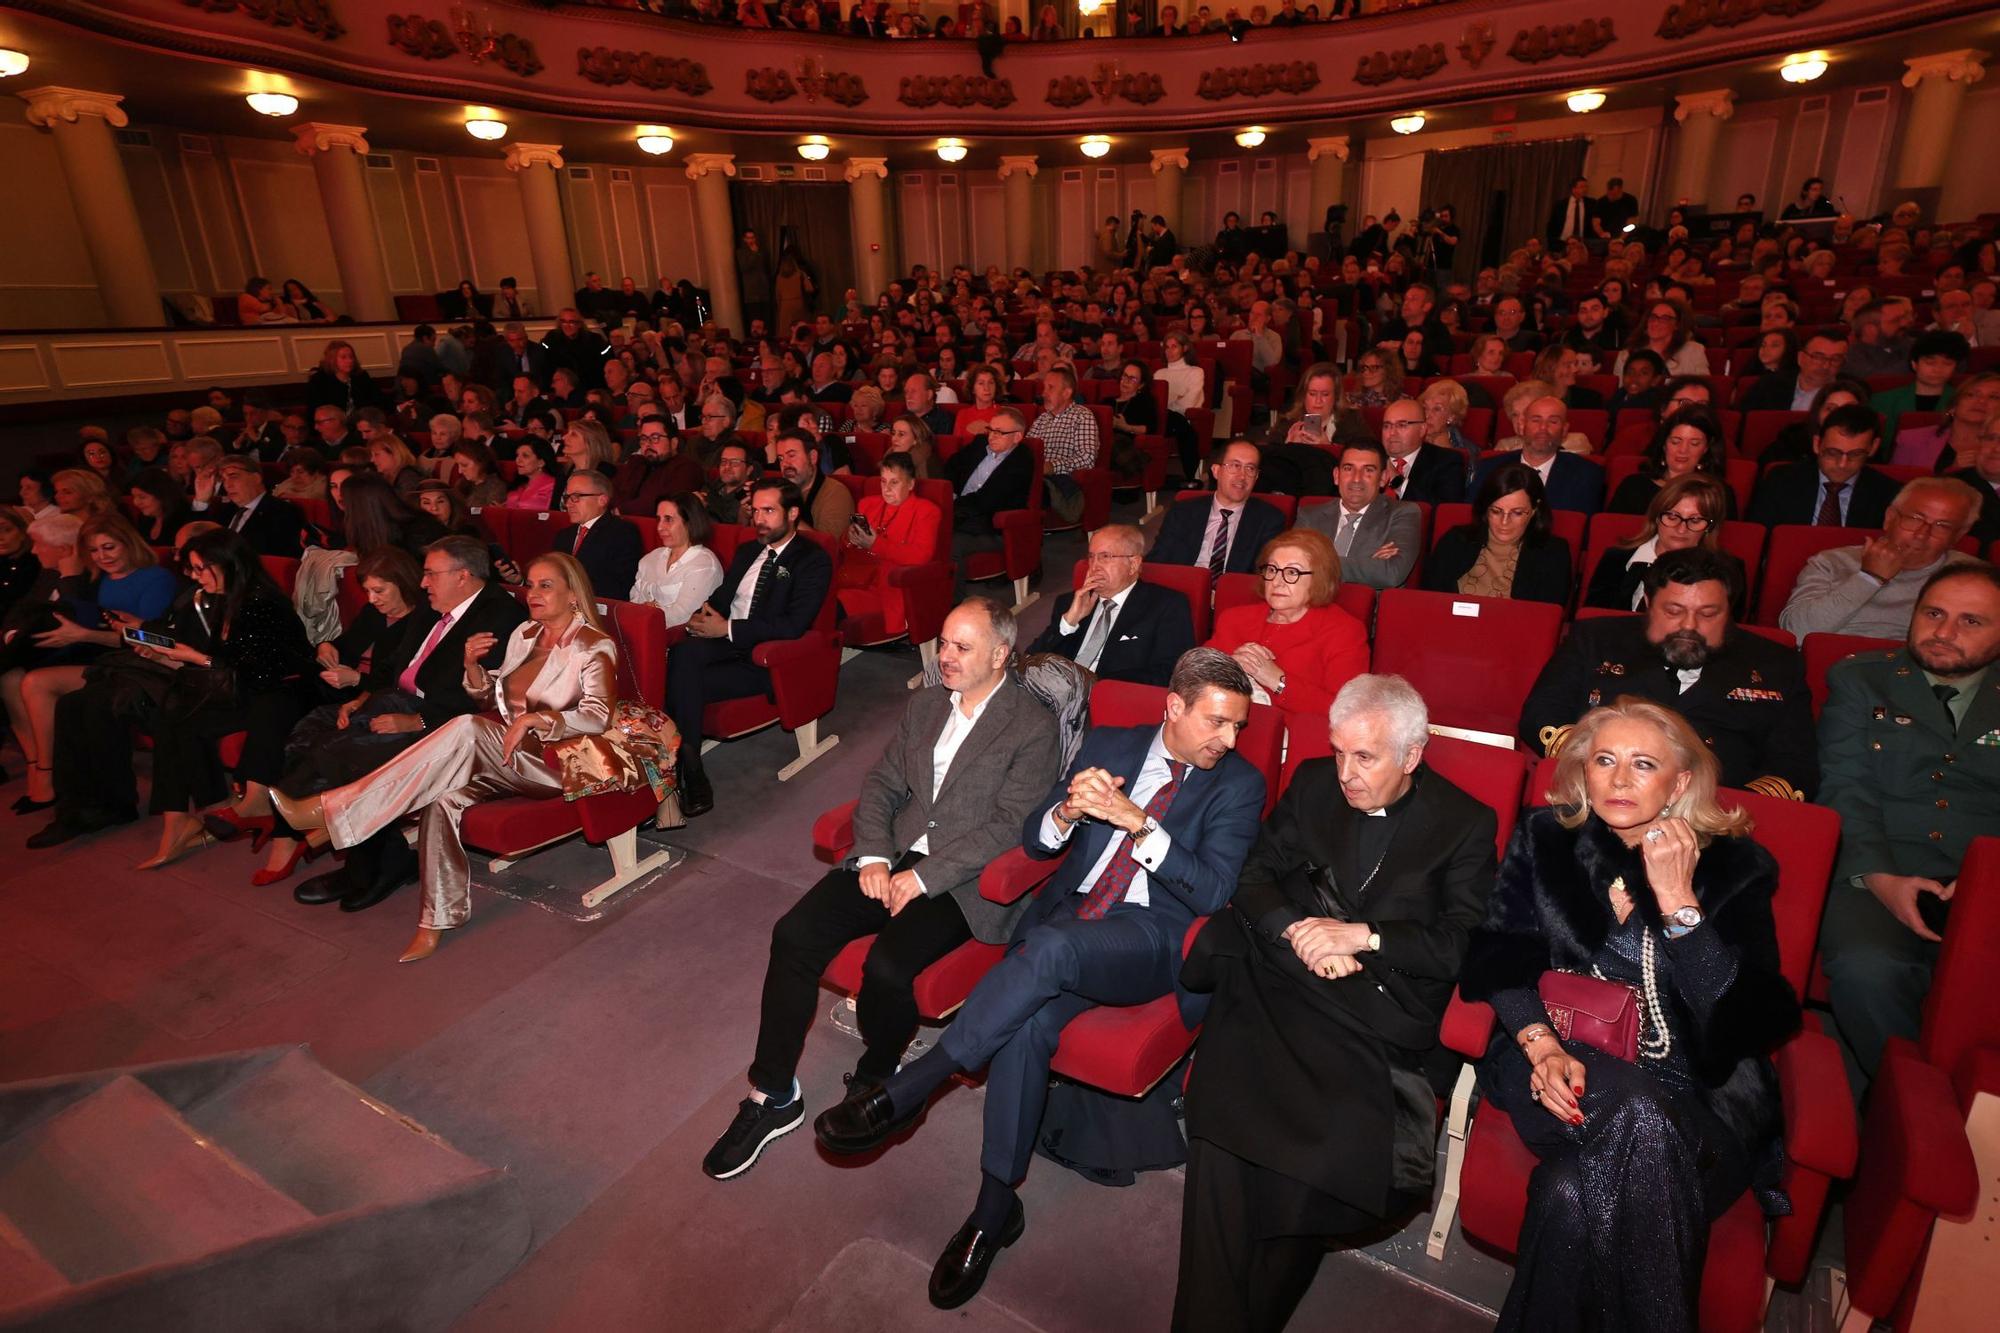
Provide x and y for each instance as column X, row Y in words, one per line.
column 950, row 793
column 1376, row 535
column 1224, row 532
column 1115, row 625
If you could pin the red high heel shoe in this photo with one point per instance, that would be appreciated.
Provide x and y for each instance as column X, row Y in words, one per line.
column 305, row 851
column 227, row 826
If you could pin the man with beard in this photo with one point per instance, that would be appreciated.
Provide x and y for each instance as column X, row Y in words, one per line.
column 1910, row 743
column 1743, row 693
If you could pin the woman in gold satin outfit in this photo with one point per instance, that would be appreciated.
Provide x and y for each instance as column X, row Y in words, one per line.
column 559, row 677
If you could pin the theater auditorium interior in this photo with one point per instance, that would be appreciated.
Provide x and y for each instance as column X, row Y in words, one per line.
column 1283, row 665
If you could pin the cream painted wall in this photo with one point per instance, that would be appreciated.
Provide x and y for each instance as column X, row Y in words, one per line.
column 1975, row 187
column 46, row 280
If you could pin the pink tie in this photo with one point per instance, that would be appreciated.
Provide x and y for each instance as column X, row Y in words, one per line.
column 407, row 682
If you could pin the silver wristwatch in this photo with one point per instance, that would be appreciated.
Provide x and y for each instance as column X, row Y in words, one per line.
column 1683, row 921
column 1144, row 830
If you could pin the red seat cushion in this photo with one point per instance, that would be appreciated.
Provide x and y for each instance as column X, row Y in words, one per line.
column 1124, row 1049
column 513, row 825
column 940, row 988
column 733, row 717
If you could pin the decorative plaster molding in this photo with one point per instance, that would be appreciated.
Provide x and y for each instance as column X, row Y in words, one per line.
column 51, row 103
column 1720, row 103
column 769, row 84
column 1967, row 67
column 1338, row 146
column 707, row 164
column 1169, row 157
column 956, row 90
column 521, row 156
column 313, row 16
column 1416, row 62
column 1024, row 165
column 427, row 39
column 1587, row 37
column 857, row 167
column 1295, row 77
column 602, row 65
column 1475, row 44
column 1691, row 16
column 317, row 136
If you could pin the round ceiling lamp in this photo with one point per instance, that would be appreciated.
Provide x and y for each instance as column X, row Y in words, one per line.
column 485, row 127
column 815, row 148
column 1585, row 102
column 1251, row 137
column 272, row 104
column 655, row 139
column 951, row 150
column 1409, row 124
column 1803, row 67
column 12, row 62
column 1095, row 145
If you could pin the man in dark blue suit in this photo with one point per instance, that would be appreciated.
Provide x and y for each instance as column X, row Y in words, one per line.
column 607, row 546
column 1157, row 821
column 774, row 590
column 1570, row 481
column 1222, row 532
column 1116, row 625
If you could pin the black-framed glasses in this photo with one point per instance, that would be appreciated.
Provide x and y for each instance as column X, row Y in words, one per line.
column 1289, row 573
column 1692, row 522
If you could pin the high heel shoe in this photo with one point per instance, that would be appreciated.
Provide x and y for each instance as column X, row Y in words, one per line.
column 304, row 851
column 198, row 836
column 225, row 825
column 304, row 814
column 422, row 945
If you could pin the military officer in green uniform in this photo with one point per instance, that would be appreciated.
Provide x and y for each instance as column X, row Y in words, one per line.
column 1743, row 693
column 1910, row 756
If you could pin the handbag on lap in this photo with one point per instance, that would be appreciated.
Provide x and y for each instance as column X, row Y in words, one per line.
column 1596, row 1012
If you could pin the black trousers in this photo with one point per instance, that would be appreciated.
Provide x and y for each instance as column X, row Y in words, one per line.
column 701, row 672
column 93, row 758
column 832, row 913
column 1233, row 1279
column 187, row 769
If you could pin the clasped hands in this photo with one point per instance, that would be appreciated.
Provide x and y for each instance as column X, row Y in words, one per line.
column 1096, row 794
column 894, row 891
column 708, row 623
column 1327, row 946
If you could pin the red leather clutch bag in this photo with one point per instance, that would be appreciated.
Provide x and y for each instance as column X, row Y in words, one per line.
column 1599, row 1013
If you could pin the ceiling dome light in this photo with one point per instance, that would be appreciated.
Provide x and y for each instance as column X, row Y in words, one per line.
column 655, row 139
column 483, row 127
column 951, row 150
column 1251, row 137
column 1803, row 67
column 1585, row 102
column 272, row 104
column 1095, row 145
column 12, row 63
column 815, row 148
column 1409, row 124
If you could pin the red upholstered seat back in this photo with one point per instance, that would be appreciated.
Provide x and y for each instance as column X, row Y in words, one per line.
column 1959, row 1015
column 1118, row 703
column 1474, row 659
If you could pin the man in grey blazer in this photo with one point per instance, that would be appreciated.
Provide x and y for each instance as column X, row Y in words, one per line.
column 949, row 794
column 1376, row 534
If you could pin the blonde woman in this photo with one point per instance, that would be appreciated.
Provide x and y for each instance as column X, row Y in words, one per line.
column 1637, row 875
column 559, row 677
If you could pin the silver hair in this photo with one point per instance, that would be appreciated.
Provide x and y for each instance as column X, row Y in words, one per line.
column 1395, row 698
column 448, row 426
column 1126, row 535
column 56, row 530
column 1949, row 487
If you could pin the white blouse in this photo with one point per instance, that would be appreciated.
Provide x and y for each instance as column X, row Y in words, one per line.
column 1187, row 384
column 680, row 587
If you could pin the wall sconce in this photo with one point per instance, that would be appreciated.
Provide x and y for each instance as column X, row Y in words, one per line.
column 815, row 148
column 12, row 62
column 1409, row 124
column 1251, row 137
column 485, row 127
column 655, row 139
column 951, row 150
column 1095, row 145
column 272, row 104
column 1584, row 103
column 1803, row 67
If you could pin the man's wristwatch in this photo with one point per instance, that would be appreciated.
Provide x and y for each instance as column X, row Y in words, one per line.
column 1374, row 940
column 1681, row 922
column 1143, row 830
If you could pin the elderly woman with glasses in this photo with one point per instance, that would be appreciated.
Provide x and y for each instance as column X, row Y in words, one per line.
column 1687, row 511
column 1687, row 443
column 1296, row 645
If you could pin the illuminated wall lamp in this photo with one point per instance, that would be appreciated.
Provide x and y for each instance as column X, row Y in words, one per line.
column 655, row 139
column 483, row 127
column 815, row 148
column 1251, row 137
column 1803, row 67
column 951, row 150
column 1095, row 145
column 12, row 62
column 1584, row 103
column 1409, row 124
column 272, row 104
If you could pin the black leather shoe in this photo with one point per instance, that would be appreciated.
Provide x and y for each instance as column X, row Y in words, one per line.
column 54, row 834
column 861, row 1123
column 961, row 1269
column 697, row 797
column 331, row 887
column 66, row 827
column 397, row 868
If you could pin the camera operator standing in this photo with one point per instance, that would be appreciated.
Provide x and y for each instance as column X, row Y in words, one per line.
column 1437, row 240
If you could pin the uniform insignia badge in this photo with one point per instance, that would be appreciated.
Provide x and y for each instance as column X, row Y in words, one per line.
column 1902, row 719
column 1596, row 698
column 1990, row 738
column 1881, row 713
column 1744, row 694
column 1756, row 678
column 1610, row 668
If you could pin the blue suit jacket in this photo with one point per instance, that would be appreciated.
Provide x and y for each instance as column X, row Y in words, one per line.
column 1574, row 482
column 1186, row 524
column 1213, row 822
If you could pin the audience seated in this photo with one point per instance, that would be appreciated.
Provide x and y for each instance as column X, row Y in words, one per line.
column 1224, row 532
column 1935, row 357
column 1068, row 432
column 1309, row 1111
column 1907, row 753
column 969, row 761
column 1952, row 442
column 534, row 475
column 272, row 526
column 828, row 504
column 1836, row 488
column 1871, row 588
column 1136, row 630
column 1509, row 549
column 987, row 482
column 1296, row 646
column 1745, row 695
column 1377, row 536
column 1982, row 474
column 1569, row 480
column 727, row 494
column 892, row 529
column 1687, row 443
column 680, row 573
column 607, row 545
column 339, row 381
column 774, row 589
column 557, row 677
column 1637, row 875
column 1688, row 511
column 1162, row 818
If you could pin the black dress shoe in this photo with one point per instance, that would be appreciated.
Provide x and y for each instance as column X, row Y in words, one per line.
column 27, row 805
column 78, row 824
column 861, row 1123
column 331, row 887
column 961, row 1269
column 697, row 797
column 397, row 867
column 54, row 834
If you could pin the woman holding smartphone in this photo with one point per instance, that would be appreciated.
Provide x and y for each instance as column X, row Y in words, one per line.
column 893, row 529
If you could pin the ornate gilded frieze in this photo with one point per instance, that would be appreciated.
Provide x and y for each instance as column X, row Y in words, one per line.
column 601, row 65
column 430, row 39
column 312, row 16
column 1418, row 62
column 1689, row 17
column 1534, row 45
column 1294, row 77
column 956, row 90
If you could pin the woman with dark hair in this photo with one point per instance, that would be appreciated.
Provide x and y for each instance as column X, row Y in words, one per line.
column 681, row 572
column 1777, row 354
column 534, row 474
column 441, row 502
column 1795, row 441
column 256, row 304
column 1134, row 412
column 1688, row 442
column 305, row 307
column 375, row 516
column 1668, row 330
column 477, row 474
column 1508, row 549
column 1634, row 876
column 241, row 662
column 1686, row 511
column 465, row 303
column 97, row 459
column 339, row 381
column 305, row 475
column 160, row 505
column 891, row 529
column 36, row 493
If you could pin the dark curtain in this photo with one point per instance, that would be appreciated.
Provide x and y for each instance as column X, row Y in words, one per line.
column 809, row 220
column 1501, row 193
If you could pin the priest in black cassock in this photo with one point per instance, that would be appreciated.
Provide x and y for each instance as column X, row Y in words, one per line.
column 1310, row 1114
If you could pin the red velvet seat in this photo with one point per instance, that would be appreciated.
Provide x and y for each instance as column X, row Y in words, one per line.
column 1823, row 650
column 1474, row 659
column 1021, row 537
column 1187, row 580
column 1792, row 545
column 1232, row 590
column 926, row 587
